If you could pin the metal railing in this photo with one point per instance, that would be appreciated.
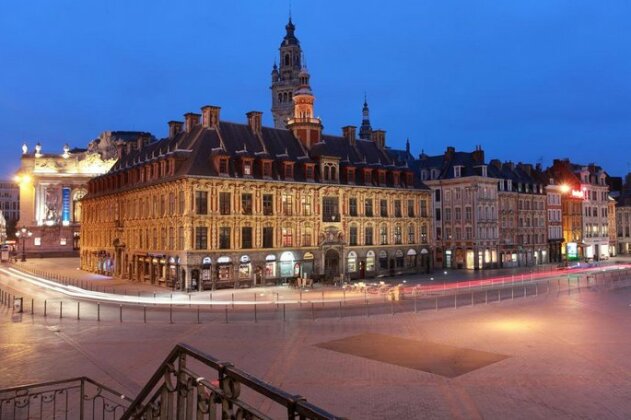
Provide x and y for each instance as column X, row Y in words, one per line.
column 213, row 391
column 77, row 398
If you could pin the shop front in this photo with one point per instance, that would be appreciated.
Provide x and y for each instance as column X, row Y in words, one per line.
column 206, row 274
column 270, row 272
column 224, row 270
column 245, row 269
column 287, row 261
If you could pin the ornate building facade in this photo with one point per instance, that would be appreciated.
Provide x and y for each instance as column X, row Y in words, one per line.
column 218, row 203
column 52, row 185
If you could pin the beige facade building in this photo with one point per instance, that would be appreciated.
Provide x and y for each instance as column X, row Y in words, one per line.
column 51, row 186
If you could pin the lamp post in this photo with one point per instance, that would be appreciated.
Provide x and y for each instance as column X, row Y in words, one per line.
column 23, row 233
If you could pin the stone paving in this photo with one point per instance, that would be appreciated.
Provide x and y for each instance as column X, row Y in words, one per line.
column 567, row 357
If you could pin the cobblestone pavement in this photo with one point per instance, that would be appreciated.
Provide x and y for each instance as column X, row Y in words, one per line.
column 567, row 357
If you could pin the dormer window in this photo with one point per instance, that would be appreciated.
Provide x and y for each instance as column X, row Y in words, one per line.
column 434, row 174
column 309, row 173
column 409, row 179
column 247, row 168
column 367, row 176
column 288, row 170
column 484, row 173
column 457, row 171
column 223, row 166
column 381, row 176
column 424, row 175
column 350, row 175
column 329, row 171
column 509, row 185
column 267, row 169
column 396, row 178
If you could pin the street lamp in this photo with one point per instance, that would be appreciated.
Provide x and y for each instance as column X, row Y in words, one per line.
column 23, row 233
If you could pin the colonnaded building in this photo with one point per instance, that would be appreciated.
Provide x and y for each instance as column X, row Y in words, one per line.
column 51, row 186
column 219, row 202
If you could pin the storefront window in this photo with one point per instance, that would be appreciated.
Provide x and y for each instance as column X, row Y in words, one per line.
column 370, row 261
column 411, row 258
column 270, row 266
column 287, row 264
column 351, row 262
column 383, row 260
column 245, row 267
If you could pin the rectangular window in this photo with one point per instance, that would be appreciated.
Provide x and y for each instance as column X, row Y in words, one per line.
column 397, row 208
column 330, row 209
column 468, row 215
column 383, row 234
column 368, row 235
column 171, row 203
column 268, row 204
column 180, row 202
column 447, row 214
column 224, row 238
column 352, row 206
column 287, row 237
column 423, row 204
column 305, row 203
column 201, row 237
column 410, row 234
column 368, row 207
column 457, row 214
column 352, row 237
column 246, row 203
column 287, row 203
column 410, row 208
column 383, row 208
column 437, row 196
column 268, row 237
column 397, row 235
column 224, row 203
column 246, row 237
column 423, row 234
column 180, row 238
column 223, row 166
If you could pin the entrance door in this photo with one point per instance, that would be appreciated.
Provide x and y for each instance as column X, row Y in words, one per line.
column 362, row 269
column 331, row 264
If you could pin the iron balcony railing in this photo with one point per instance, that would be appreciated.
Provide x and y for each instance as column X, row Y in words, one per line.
column 77, row 398
column 191, row 384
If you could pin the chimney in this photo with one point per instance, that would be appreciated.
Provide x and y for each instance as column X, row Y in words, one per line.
column 450, row 152
column 478, row 155
column 496, row 163
column 190, row 120
column 174, row 128
column 349, row 133
column 379, row 137
column 210, row 116
column 254, row 121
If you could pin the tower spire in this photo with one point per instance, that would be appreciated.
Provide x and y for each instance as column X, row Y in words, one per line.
column 365, row 130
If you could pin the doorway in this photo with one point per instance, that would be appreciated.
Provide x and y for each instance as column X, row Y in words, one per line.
column 331, row 264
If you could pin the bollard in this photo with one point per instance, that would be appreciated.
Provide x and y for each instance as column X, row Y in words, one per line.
column 436, row 302
column 44, row 308
column 211, row 296
column 120, row 313
column 198, row 315
column 392, row 306
column 233, row 301
column 455, row 301
column 61, row 309
column 98, row 311
column 226, row 312
column 512, row 292
column 536, row 289
column 524, row 290
column 344, row 294
column 323, row 298
column 312, row 312
column 32, row 306
column 189, row 300
column 471, row 298
column 154, row 295
column 255, row 319
column 499, row 295
column 300, row 298
column 415, row 308
column 284, row 312
column 170, row 314
column 486, row 297
column 144, row 314
column 78, row 309
column 340, row 310
column 366, row 295
column 255, row 297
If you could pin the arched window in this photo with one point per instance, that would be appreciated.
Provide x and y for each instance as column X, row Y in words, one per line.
column 333, row 173
column 285, row 97
column 326, row 173
column 286, row 59
column 280, row 97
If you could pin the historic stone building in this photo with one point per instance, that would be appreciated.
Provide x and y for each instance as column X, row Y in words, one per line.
column 10, row 205
column 623, row 218
column 51, row 186
column 585, row 209
column 554, row 194
column 465, row 208
column 522, row 214
column 218, row 203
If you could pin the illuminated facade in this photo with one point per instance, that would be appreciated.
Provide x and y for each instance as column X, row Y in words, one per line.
column 218, row 203
column 554, row 194
column 464, row 205
column 585, row 209
column 522, row 204
column 51, row 187
column 623, row 218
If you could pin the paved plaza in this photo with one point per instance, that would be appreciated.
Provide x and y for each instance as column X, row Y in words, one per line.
column 552, row 356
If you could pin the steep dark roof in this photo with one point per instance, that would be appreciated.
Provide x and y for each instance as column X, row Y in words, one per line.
column 194, row 150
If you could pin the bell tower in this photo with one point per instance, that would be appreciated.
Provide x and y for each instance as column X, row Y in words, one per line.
column 303, row 124
column 285, row 77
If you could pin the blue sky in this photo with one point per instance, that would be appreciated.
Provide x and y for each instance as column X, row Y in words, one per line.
column 528, row 80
